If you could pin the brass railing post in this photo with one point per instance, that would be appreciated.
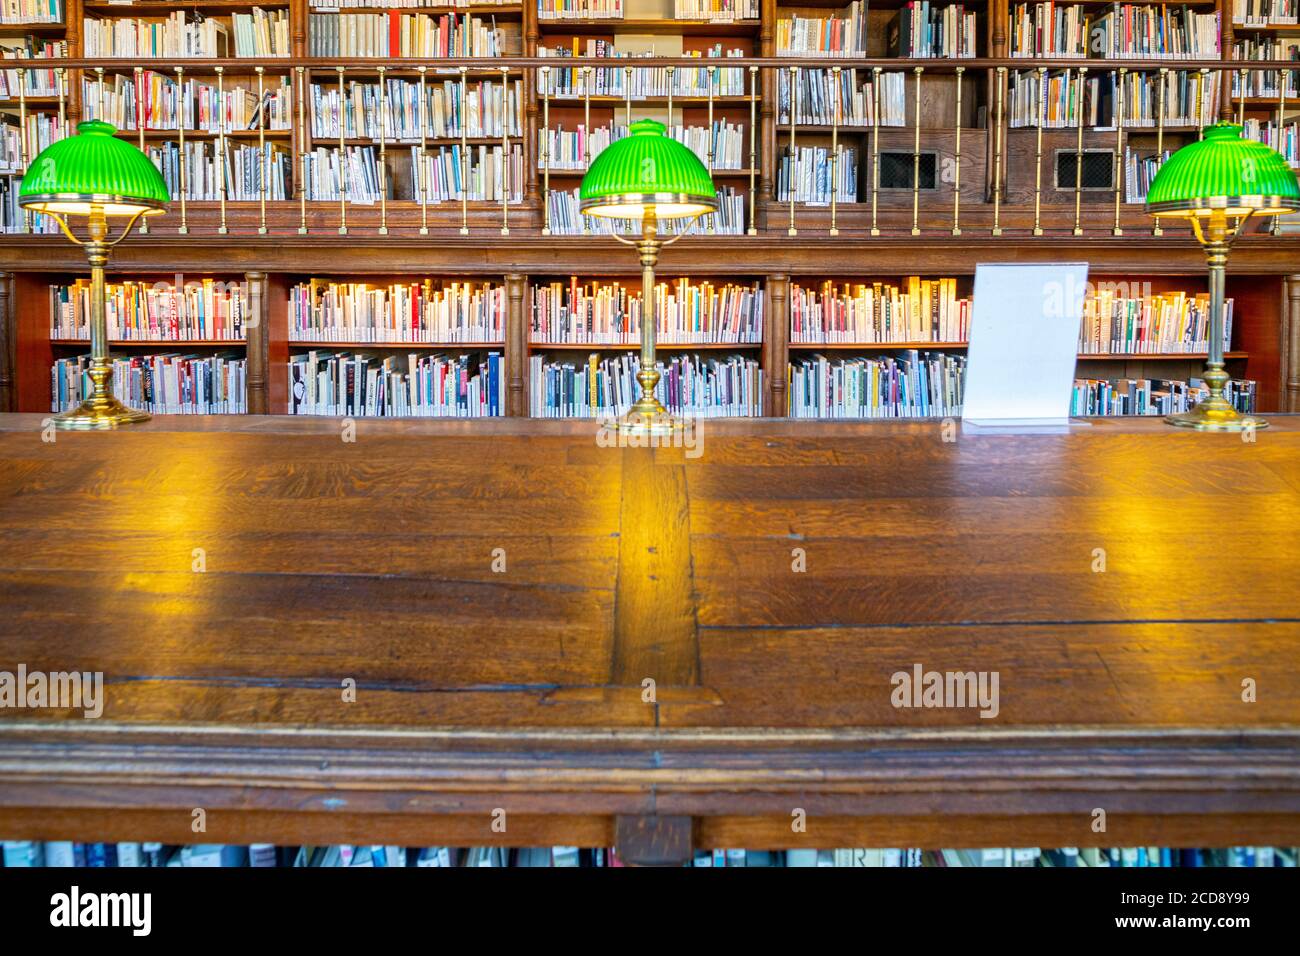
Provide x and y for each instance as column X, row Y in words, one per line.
column 875, row 146
column 143, row 228
column 221, row 145
column 956, row 172
column 185, row 182
column 1160, row 136
column 464, row 158
column 793, row 180
column 383, row 152
column 997, row 153
column 835, row 150
column 1078, row 150
column 1276, row 228
column 422, row 181
column 263, row 154
column 546, row 150
column 1118, row 173
column 505, row 163
column 1038, row 160
column 586, row 126
column 753, row 145
column 344, row 163
column 916, row 156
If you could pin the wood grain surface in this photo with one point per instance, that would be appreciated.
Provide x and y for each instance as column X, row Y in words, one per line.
column 497, row 595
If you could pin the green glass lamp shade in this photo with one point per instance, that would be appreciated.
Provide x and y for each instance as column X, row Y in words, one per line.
column 93, row 168
column 1224, row 173
column 647, row 170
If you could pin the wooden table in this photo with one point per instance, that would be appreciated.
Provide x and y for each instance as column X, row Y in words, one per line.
column 501, row 591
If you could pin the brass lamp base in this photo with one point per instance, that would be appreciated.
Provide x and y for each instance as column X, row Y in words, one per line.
column 649, row 417
column 1212, row 416
column 102, row 413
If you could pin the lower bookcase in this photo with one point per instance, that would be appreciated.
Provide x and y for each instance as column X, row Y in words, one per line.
column 487, row 345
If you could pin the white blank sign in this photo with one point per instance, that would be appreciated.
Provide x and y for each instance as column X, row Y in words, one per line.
column 1024, row 338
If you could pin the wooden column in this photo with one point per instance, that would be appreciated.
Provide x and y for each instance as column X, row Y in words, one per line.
column 1227, row 36
column 530, row 88
column 653, row 840
column 8, row 343
column 776, row 345
column 257, row 351
column 516, row 345
column 1291, row 347
column 299, row 15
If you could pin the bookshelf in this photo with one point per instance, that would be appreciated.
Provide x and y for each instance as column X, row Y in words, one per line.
column 937, row 184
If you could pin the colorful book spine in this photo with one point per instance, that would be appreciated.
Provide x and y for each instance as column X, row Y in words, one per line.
column 686, row 312
column 391, row 386
column 419, row 311
column 604, row 387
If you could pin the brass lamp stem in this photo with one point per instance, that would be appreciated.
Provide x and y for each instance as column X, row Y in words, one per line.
column 648, row 413
column 99, row 409
column 1216, row 413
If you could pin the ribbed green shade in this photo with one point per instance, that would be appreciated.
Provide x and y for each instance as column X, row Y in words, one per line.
column 93, row 168
column 647, row 169
column 1224, row 173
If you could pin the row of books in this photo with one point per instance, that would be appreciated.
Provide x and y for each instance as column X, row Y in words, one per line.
column 806, row 175
column 1266, row 82
column 324, row 311
column 41, row 130
column 921, row 30
column 480, row 173
column 333, row 6
column 721, row 11
column 33, row 81
column 1140, row 168
column 259, row 33
column 361, row 384
column 159, row 102
column 637, row 82
column 1163, row 323
column 686, row 312
column 917, row 310
column 910, row 385
column 164, row 384
column 248, row 172
column 843, row 35
column 32, row 11
column 580, row 9
column 13, row 218
column 1124, row 31
column 852, row 99
column 1190, row 99
column 153, row 311
column 721, row 146
column 24, row 853
column 566, row 218
column 604, row 387
column 1284, row 138
column 717, row 11
column 396, row 34
column 1142, row 396
column 1263, row 13
column 485, row 109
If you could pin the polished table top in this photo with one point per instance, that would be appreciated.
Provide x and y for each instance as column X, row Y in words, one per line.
column 501, row 593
